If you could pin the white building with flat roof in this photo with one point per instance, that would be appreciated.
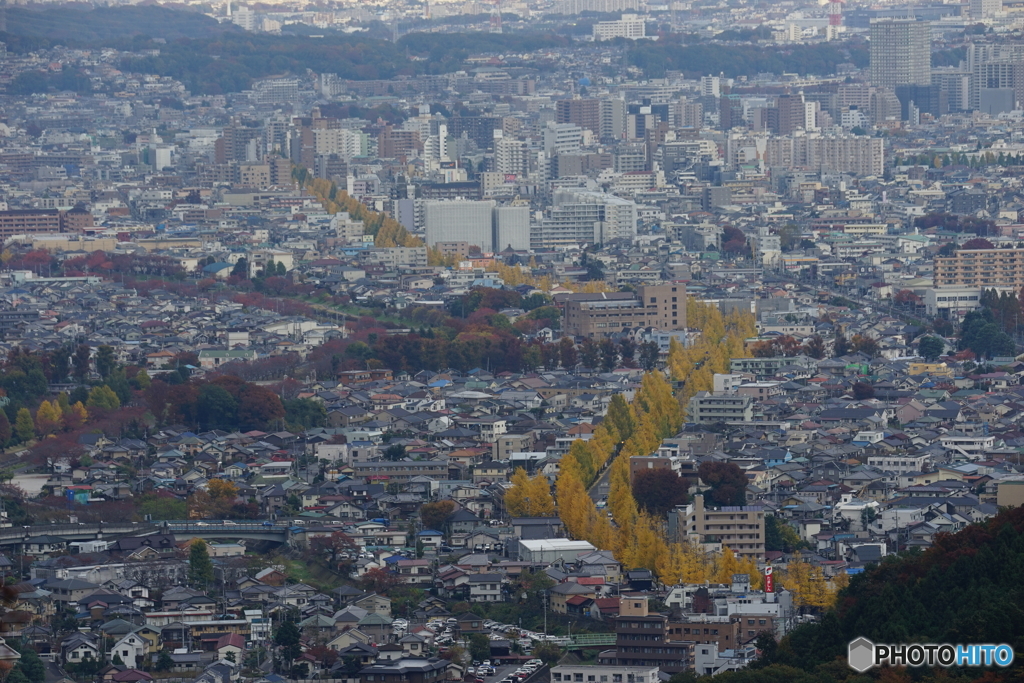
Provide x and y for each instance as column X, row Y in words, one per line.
column 583, row 673
column 629, row 26
column 548, row 550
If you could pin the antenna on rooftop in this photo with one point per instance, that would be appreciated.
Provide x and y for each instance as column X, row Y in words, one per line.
column 496, row 17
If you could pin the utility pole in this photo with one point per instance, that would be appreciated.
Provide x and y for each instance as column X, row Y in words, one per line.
column 544, row 600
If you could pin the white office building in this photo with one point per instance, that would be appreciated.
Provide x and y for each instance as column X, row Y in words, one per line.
column 629, row 26
column 480, row 223
column 512, row 228
column 459, row 220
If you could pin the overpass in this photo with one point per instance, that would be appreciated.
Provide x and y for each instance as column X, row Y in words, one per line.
column 275, row 532
column 16, row 535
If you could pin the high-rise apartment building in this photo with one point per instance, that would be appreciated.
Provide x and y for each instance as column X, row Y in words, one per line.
column 901, row 52
column 395, row 144
column 562, row 138
column 613, row 119
column 511, row 157
column 581, row 217
column 343, row 142
column 981, row 268
column 741, row 528
column 238, row 143
column 585, row 113
column 994, row 67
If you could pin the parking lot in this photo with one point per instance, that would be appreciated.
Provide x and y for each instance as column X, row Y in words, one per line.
column 446, row 635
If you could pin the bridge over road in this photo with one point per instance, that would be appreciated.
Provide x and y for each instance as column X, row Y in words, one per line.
column 275, row 532
column 16, row 535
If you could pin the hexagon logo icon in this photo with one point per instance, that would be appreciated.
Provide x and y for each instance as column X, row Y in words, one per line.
column 861, row 655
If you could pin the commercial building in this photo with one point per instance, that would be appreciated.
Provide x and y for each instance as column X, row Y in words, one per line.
column 478, row 223
column 741, row 528
column 601, row 315
column 547, row 550
column 901, row 53
column 984, row 268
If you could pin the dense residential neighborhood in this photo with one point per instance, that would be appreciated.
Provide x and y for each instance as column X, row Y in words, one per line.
column 527, row 342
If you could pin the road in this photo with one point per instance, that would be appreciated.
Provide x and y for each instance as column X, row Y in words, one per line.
column 599, row 491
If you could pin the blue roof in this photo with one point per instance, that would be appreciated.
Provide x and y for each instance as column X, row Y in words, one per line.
column 217, row 267
column 429, row 532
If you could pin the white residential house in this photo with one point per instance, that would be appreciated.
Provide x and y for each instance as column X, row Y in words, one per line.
column 131, row 649
column 485, row 588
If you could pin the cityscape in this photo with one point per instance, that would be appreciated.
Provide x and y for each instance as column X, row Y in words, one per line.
column 554, row 341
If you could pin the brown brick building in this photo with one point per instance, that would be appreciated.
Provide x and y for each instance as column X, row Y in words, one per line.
column 705, row 629
column 642, row 638
column 585, row 113
column 397, row 144
column 34, row 221
column 601, row 315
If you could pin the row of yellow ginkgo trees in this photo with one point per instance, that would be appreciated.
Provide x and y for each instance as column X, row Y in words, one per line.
column 386, row 230
column 637, row 538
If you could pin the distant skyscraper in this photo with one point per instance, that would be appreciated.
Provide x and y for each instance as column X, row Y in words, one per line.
column 901, row 53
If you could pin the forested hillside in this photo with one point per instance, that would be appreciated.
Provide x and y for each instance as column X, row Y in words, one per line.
column 212, row 58
column 965, row 589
